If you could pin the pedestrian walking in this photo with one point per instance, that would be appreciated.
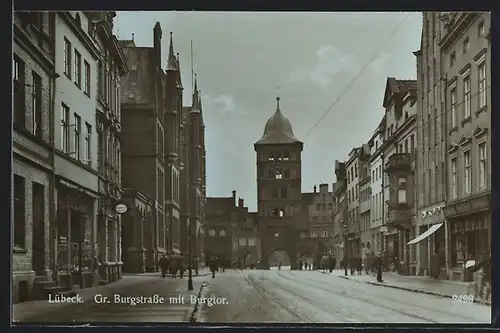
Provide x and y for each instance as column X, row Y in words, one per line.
column 213, row 267
column 379, row 265
column 163, row 263
column 485, row 265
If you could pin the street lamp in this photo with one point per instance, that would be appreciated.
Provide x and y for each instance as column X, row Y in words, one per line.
column 345, row 247
column 190, row 270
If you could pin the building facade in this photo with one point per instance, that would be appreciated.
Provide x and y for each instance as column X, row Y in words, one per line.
column 376, row 187
column 174, row 149
column 365, row 201
column 431, row 146
column 142, row 143
column 77, row 182
column 352, row 192
column 466, row 62
column 33, row 78
column 321, row 223
column 110, row 67
column 398, row 150
column 279, row 177
column 221, row 225
column 246, row 237
column 341, row 212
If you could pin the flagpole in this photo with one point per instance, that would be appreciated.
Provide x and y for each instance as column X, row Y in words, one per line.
column 192, row 69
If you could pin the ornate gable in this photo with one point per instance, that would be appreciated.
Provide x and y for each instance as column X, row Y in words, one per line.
column 464, row 140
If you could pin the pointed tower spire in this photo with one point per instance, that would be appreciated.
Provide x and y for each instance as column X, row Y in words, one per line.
column 171, row 62
column 195, row 94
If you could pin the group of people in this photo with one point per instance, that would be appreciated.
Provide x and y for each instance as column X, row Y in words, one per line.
column 371, row 264
column 174, row 264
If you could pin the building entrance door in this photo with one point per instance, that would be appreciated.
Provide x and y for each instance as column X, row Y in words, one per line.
column 38, row 244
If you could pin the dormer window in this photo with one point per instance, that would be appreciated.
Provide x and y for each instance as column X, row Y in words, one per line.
column 465, row 45
column 78, row 20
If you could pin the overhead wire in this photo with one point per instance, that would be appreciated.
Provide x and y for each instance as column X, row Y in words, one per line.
column 348, row 87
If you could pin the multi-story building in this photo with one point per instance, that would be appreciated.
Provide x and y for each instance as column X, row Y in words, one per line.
column 279, row 166
column 365, row 200
column 109, row 68
column 222, row 220
column 174, row 148
column 466, row 64
column 431, row 146
column 352, row 193
column 376, row 185
column 321, row 213
column 33, row 78
column 142, row 108
column 246, row 238
column 76, row 163
column 399, row 164
column 341, row 211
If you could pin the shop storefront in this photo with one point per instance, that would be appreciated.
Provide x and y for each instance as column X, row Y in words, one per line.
column 76, row 262
column 429, row 239
column 470, row 230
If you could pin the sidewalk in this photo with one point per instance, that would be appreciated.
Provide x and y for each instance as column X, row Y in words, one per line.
column 203, row 271
column 420, row 284
column 32, row 310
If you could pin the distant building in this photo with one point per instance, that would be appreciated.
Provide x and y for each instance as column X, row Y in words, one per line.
column 341, row 211
column 279, row 173
column 246, row 237
column 365, row 201
column 376, row 187
column 352, row 192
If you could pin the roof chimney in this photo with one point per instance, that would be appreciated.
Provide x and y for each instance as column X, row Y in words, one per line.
column 240, row 202
column 234, row 197
column 315, row 188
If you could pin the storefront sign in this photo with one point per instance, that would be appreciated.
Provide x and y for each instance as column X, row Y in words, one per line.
column 431, row 212
column 121, row 208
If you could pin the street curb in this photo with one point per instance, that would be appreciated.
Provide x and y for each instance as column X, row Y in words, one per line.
column 405, row 288
column 195, row 315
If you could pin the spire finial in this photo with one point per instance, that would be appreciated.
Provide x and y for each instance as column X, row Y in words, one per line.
column 278, row 96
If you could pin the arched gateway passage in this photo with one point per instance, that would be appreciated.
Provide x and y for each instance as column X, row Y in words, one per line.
column 278, row 257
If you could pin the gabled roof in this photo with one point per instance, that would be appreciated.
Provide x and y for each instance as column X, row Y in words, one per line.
column 394, row 86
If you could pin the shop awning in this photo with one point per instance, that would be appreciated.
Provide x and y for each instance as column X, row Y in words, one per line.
column 426, row 234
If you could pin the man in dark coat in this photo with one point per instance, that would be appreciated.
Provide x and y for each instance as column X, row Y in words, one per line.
column 213, row 267
column 163, row 263
column 345, row 263
column 378, row 264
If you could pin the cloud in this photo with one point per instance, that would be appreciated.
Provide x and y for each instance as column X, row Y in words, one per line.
column 221, row 105
column 330, row 63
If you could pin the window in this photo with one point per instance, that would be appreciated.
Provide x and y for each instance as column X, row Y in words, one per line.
column 480, row 29
column 242, row 241
column 453, row 97
column 100, row 151
column 482, row 165
column 284, row 192
column 46, row 23
column 36, row 104
column 77, row 136
column 465, row 45
column 318, row 206
column 19, row 212
column 67, row 57
column 412, row 144
column 482, row 84
column 65, row 138
column 313, row 233
column 271, row 156
column 303, row 234
column 19, row 92
column 286, row 156
column 86, row 78
column 100, row 80
column 251, row 241
column 467, row 173
column 467, row 99
column 88, row 142
column 286, row 173
column 78, row 69
column 429, row 104
column 211, row 231
column 324, row 233
column 401, row 195
column 452, row 58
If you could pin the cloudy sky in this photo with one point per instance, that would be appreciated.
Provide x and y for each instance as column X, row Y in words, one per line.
column 241, row 58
